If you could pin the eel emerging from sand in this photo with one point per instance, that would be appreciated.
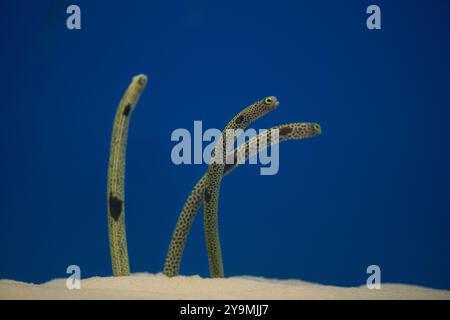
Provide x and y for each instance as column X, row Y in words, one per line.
column 116, row 177
column 214, row 178
column 240, row 121
column 291, row 131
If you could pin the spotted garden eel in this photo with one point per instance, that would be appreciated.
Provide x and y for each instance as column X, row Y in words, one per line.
column 116, row 177
column 290, row 131
column 214, row 178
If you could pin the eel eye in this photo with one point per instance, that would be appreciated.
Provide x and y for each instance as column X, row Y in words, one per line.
column 268, row 100
column 316, row 127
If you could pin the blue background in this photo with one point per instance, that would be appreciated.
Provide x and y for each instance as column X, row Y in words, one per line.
column 373, row 189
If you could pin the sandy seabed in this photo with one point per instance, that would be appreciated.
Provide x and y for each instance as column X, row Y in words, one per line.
column 158, row 286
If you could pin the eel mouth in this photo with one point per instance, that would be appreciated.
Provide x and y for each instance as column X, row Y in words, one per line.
column 276, row 103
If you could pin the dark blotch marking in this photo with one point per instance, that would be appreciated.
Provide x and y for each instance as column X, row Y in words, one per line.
column 227, row 168
column 115, row 207
column 127, row 110
column 286, row 130
column 207, row 195
column 239, row 119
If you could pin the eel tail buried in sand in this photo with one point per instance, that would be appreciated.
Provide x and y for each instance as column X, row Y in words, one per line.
column 290, row 131
column 214, row 177
column 116, row 177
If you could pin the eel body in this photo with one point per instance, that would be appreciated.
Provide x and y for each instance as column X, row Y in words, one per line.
column 290, row 131
column 214, row 178
column 116, row 177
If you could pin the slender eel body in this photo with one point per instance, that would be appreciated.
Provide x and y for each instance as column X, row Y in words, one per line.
column 116, row 177
column 214, row 178
column 291, row 131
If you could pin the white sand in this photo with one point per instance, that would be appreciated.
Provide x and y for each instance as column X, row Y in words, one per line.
column 150, row 286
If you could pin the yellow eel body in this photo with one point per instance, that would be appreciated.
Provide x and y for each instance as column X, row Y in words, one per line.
column 214, row 178
column 116, row 177
column 285, row 132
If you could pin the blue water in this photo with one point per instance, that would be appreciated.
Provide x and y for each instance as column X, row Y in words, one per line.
column 373, row 189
